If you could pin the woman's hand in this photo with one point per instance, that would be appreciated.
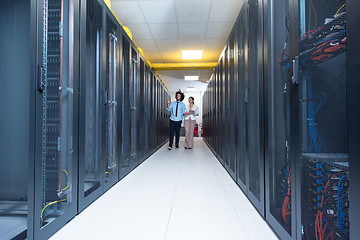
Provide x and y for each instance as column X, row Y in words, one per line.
column 168, row 101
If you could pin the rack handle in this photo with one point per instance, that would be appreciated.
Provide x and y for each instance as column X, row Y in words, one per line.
column 40, row 79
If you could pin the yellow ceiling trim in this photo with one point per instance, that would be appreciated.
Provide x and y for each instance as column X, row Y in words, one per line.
column 183, row 66
column 161, row 81
column 108, row 3
column 127, row 30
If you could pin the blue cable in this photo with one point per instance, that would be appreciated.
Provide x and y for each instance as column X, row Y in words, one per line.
column 316, row 102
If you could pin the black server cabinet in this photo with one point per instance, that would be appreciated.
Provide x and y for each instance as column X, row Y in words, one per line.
column 226, row 124
column 92, row 103
column 217, row 117
column 17, row 99
column 134, row 78
column 141, row 111
column 147, row 112
column 126, row 164
column 232, row 110
column 353, row 74
column 280, row 171
column 38, row 123
column 56, row 118
column 254, row 106
column 153, row 112
column 56, row 156
column 112, row 106
column 242, row 164
column 320, row 72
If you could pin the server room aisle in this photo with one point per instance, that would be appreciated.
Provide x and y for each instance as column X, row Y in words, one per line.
column 177, row 194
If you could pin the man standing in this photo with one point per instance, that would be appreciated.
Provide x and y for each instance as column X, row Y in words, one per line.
column 177, row 109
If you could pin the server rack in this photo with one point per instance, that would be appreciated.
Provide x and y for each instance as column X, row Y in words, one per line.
column 63, row 166
column 141, row 111
column 242, row 164
column 126, row 126
column 56, row 161
column 279, row 164
column 299, row 116
column 134, row 63
column 92, row 102
column 254, row 100
column 112, row 96
column 147, row 110
column 232, row 110
column 37, row 191
column 323, row 138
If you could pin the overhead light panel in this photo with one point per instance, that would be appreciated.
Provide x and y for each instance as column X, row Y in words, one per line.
column 191, row 78
column 191, row 54
column 190, row 89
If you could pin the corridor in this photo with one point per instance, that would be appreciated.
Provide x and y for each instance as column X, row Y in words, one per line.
column 174, row 195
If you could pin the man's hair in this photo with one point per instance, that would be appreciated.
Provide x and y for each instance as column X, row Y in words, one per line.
column 182, row 95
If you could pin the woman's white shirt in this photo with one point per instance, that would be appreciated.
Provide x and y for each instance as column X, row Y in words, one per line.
column 192, row 116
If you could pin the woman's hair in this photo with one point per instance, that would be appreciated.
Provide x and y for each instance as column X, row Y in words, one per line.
column 192, row 99
column 182, row 95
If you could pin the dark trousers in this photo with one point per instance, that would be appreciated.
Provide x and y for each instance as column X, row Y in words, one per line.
column 174, row 129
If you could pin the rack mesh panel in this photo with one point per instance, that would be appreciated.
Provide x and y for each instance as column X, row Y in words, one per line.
column 53, row 102
column 324, row 190
column 243, row 32
column 127, row 104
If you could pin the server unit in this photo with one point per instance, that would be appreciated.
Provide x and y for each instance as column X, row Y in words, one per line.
column 67, row 111
column 38, row 130
column 292, row 103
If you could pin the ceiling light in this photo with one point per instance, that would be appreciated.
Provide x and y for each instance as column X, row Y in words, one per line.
column 191, row 78
column 192, row 54
column 190, row 89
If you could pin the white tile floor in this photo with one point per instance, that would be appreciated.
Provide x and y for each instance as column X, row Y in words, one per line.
column 173, row 195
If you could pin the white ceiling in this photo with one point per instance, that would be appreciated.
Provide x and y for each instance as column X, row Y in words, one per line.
column 162, row 28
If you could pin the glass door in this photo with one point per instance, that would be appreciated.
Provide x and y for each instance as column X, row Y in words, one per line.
column 55, row 164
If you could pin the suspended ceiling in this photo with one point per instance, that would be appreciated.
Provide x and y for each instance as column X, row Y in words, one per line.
column 163, row 28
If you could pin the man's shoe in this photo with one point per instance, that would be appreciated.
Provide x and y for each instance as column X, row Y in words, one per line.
column 186, row 148
column 177, row 146
column 169, row 147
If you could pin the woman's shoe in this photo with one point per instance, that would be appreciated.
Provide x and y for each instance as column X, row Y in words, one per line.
column 186, row 148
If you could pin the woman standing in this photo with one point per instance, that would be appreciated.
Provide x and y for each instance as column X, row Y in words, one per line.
column 190, row 120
